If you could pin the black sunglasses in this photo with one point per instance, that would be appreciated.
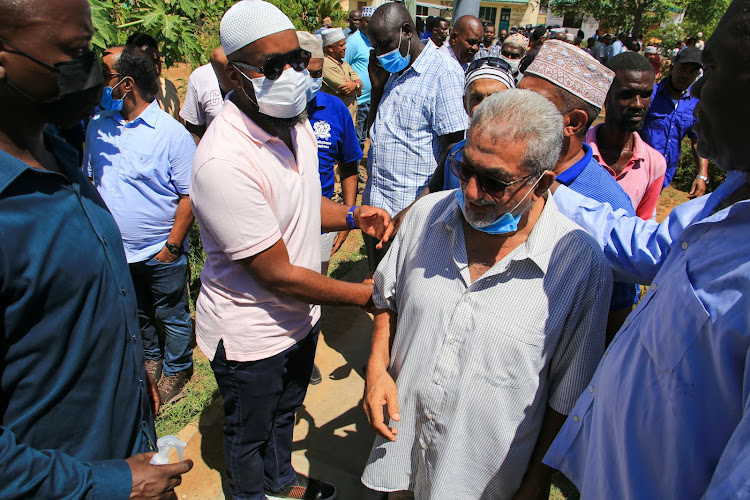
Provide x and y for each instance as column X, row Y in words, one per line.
column 274, row 65
column 493, row 62
column 493, row 187
column 316, row 74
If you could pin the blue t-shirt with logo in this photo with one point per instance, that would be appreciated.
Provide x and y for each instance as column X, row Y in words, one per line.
column 336, row 136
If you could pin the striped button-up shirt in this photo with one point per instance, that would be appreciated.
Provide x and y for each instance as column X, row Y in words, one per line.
column 417, row 107
column 476, row 364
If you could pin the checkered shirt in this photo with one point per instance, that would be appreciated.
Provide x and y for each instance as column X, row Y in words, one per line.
column 417, row 107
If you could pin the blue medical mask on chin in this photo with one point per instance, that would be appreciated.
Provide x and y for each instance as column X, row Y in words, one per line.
column 315, row 85
column 108, row 102
column 506, row 223
column 393, row 61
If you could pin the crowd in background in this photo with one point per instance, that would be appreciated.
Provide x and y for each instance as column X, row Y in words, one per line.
column 508, row 230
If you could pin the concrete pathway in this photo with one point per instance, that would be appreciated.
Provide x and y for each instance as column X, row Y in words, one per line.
column 331, row 438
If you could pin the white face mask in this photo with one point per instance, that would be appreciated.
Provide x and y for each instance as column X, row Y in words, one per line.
column 513, row 64
column 285, row 97
column 315, row 86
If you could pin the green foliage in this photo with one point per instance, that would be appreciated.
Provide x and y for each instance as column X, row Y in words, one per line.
column 703, row 16
column 187, row 30
column 619, row 15
column 686, row 170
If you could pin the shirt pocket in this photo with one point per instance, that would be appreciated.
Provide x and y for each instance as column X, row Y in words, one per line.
column 140, row 166
column 412, row 114
column 675, row 322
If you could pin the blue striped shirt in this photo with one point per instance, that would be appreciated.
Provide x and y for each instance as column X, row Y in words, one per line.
column 418, row 106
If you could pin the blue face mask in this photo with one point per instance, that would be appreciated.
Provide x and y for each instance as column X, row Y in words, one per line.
column 108, row 102
column 315, row 85
column 506, row 223
column 393, row 61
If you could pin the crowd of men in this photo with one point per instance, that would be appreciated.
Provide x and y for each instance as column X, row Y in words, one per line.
column 507, row 236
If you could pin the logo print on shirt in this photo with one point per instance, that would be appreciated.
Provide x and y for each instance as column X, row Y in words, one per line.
column 322, row 130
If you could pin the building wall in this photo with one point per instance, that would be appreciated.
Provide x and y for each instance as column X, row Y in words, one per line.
column 520, row 14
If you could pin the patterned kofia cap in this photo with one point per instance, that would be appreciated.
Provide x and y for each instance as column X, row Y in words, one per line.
column 518, row 39
column 574, row 70
column 368, row 11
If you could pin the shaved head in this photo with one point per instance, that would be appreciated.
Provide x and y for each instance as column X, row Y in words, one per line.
column 17, row 14
column 389, row 17
column 466, row 24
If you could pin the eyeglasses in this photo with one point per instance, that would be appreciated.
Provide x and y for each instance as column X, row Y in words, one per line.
column 493, row 187
column 274, row 66
column 493, row 62
column 316, row 74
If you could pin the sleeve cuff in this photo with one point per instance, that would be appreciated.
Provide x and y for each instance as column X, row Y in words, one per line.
column 112, row 480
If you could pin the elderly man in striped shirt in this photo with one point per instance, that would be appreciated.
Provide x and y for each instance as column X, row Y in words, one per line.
column 491, row 317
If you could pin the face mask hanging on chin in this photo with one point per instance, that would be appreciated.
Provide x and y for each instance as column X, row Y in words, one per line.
column 285, row 97
column 393, row 61
column 108, row 102
column 506, row 223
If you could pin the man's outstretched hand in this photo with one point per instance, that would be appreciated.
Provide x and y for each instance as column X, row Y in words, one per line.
column 155, row 481
column 371, row 220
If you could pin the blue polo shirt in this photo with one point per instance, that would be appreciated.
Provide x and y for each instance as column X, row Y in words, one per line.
column 666, row 124
column 73, row 401
column 590, row 179
column 336, row 136
column 358, row 57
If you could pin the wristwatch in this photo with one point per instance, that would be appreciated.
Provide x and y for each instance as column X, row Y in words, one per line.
column 173, row 249
column 704, row 178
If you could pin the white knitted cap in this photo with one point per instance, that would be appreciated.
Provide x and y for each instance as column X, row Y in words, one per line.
column 332, row 35
column 310, row 43
column 248, row 21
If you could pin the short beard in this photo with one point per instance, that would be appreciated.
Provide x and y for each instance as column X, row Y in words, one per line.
column 285, row 123
column 477, row 220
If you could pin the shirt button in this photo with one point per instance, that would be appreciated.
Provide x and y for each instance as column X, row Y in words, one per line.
column 429, row 416
column 452, row 341
column 423, row 445
column 104, row 240
column 467, row 299
column 655, row 286
column 591, row 388
column 576, row 419
column 438, row 381
column 684, row 245
column 122, row 290
column 627, row 322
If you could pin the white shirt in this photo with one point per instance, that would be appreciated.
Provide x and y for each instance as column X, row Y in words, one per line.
column 203, row 101
column 476, row 364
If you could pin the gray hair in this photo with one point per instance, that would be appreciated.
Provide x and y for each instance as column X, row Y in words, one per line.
column 523, row 115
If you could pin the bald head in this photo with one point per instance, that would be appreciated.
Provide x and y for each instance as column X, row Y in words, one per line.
column 23, row 14
column 390, row 17
column 468, row 23
column 465, row 38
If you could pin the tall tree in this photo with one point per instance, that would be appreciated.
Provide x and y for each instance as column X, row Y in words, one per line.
column 623, row 15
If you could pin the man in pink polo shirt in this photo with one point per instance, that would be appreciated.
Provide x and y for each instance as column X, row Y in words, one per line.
column 257, row 197
column 615, row 144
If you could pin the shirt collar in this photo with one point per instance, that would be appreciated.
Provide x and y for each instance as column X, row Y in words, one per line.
column 334, row 60
column 67, row 159
column 639, row 152
column 315, row 104
column 575, row 170
column 537, row 247
column 149, row 116
column 421, row 63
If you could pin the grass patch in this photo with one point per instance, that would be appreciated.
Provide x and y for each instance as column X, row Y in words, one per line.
column 200, row 391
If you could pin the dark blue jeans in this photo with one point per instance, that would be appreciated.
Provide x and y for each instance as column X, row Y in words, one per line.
column 362, row 111
column 260, row 399
column 161, row 293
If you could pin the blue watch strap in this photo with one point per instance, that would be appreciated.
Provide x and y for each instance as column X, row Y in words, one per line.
column 350, row 218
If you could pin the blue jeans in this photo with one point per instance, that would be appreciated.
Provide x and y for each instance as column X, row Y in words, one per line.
column 260, row 399
column 161, row 293
column 362, row 111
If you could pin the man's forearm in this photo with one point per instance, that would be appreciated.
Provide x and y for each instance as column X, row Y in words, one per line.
column 183, row 219
column 384, row 329
column 312, row 287
column 349, row 173
column 700, row 163
column 536, row 481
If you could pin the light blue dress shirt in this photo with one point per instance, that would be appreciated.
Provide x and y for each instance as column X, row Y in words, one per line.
column 667, row 413
column 140, row 169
